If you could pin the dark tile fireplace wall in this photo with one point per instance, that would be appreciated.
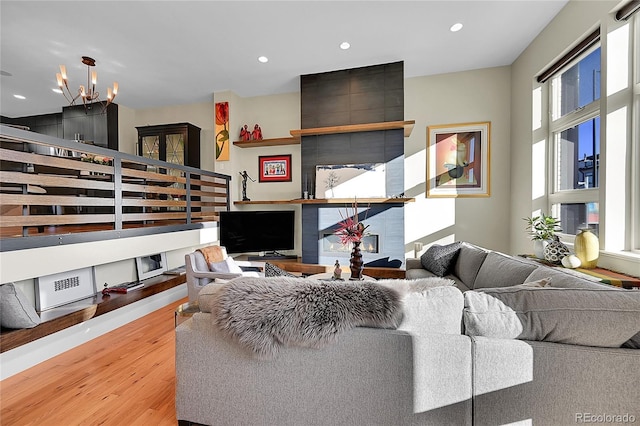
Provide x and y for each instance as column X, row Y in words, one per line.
column 371, row 94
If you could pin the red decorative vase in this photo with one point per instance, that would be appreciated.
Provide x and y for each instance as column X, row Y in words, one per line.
column 355, row 263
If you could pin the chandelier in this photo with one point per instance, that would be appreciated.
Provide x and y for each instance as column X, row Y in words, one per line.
column 88, row 93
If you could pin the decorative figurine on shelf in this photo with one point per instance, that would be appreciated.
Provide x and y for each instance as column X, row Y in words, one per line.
column 245, row 134
column 257, row 133
column 245, row 176
column 337, row 272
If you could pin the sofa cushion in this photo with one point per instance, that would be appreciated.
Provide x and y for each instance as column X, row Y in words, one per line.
column 500, row 270
column 439, row 259
column 15, row 309
column 589, row 317
column 433, row 310
column 274, row 271
column 468, row 263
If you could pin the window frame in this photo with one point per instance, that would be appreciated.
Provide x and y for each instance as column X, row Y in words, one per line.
column 635, row 135
column 556, row 127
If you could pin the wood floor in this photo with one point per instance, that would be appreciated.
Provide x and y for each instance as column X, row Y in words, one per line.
column 125, row 377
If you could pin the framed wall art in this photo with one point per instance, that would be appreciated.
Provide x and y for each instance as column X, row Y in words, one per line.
column 458, row 160
column 222, row 131
column 274, row 168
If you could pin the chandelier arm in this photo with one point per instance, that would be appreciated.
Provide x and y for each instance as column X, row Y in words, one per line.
column 88, row 93
column 70, row 98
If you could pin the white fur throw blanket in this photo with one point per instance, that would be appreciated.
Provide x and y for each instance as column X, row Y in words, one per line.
column 265, row 314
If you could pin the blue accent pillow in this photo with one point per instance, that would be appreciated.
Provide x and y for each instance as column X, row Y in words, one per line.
column 439, row 259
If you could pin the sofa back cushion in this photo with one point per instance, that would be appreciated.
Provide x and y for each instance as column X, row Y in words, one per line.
column 500, row 270
column 589, row 317
column 468, row 263
column 564, row 278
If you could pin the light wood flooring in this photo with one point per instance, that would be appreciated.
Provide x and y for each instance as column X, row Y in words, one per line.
column 125, row 377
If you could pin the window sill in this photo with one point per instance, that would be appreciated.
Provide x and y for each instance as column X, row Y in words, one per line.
column 623, row 261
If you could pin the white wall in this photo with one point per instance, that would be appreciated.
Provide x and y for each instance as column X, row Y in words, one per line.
column 471, row 96
column 127, row 133
column 575, row 20
column 479, row 95
column 276, row 115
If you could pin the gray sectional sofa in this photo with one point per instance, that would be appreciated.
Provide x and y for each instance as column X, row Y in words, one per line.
column 497, row 347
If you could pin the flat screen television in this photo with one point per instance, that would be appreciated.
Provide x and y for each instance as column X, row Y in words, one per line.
column 257, row 231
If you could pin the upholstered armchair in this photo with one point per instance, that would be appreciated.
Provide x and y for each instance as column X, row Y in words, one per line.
column 200, row 272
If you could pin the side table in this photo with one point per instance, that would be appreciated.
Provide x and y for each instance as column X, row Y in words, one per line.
column 185, row 311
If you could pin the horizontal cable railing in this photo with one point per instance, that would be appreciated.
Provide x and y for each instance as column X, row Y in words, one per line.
column 51, row 186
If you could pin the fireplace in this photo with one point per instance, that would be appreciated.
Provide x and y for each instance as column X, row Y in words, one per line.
column 365, row 95
column 331, row 244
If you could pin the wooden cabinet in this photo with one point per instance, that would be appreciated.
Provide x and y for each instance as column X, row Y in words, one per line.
column 174, row 143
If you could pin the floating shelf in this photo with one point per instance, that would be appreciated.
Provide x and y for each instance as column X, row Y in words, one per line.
column 331, row 201
column 352, row 128
column 267, row 142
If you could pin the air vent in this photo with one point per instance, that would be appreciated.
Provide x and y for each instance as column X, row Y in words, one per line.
column 65, row 287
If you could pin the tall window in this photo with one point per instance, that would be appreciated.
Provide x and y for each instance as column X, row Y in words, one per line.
column 575, row 132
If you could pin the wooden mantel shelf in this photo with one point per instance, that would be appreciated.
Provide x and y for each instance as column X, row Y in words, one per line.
column 267, row 142
column 331, row 201
column 352, row 128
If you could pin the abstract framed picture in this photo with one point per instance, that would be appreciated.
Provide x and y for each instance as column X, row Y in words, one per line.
column 274, row 168
column 458, row 160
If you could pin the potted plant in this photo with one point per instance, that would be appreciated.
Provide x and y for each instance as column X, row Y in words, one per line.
column 542, row 229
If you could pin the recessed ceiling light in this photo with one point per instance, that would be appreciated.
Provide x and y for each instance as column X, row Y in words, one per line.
column 263, row 59
column 344, row 45
column 19, row 97
column 455, row 27
column 56, row 90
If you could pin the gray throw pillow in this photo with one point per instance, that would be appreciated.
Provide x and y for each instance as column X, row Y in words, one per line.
column 15, row 309
column 274, row 271
column 500, row 270
column 228, row 265
column 633, row 343
column 588, row 317
column 438, row 259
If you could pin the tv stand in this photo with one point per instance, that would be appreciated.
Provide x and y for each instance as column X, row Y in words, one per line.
column 272, row 255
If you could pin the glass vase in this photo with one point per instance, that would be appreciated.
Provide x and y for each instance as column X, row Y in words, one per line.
column 355, row 263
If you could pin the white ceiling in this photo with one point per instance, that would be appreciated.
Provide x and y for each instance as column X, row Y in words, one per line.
column 180, row 52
